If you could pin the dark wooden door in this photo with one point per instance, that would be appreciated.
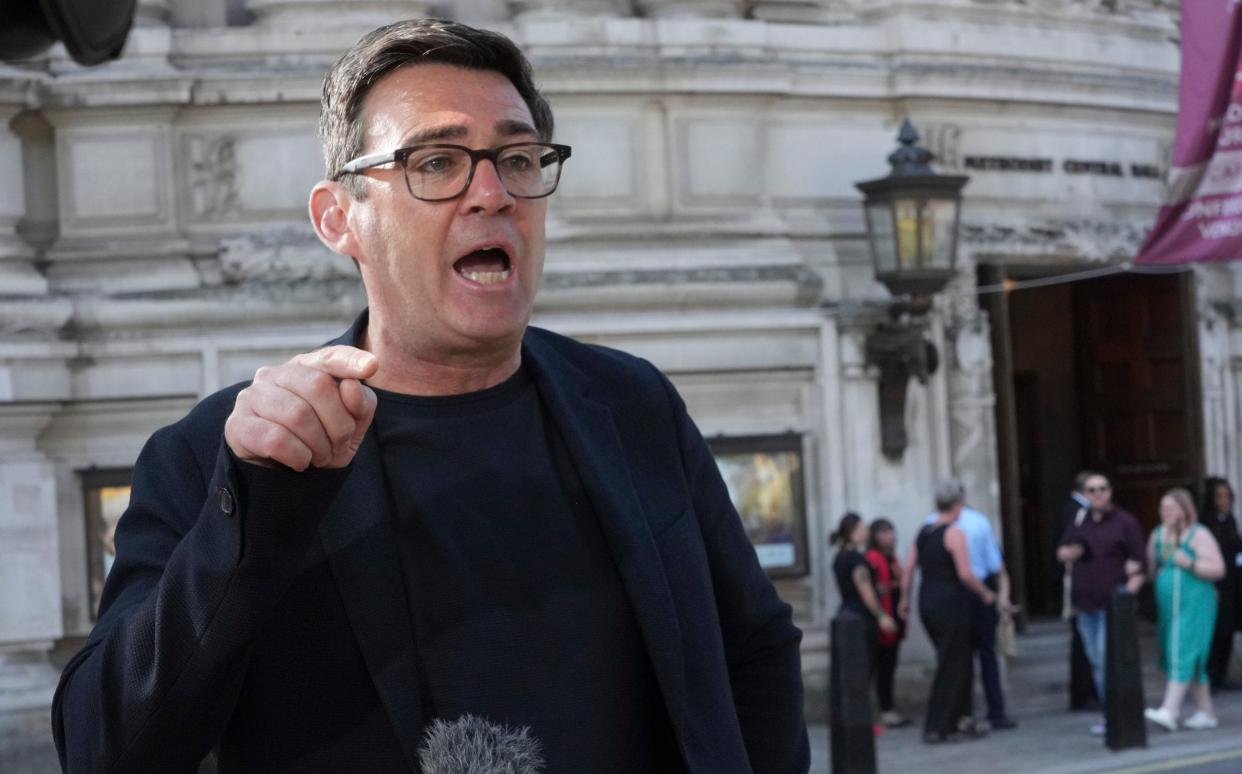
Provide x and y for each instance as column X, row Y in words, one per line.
column 1138, row 378
column 1037, row 537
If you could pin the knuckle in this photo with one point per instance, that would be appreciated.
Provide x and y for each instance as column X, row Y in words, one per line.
column 321, row 384
column 231, row 432
column 242, row 403
column 344, row 432
column 300, row 413
column 274, row 439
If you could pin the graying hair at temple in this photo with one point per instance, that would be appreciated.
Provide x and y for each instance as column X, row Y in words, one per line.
column 949, row 492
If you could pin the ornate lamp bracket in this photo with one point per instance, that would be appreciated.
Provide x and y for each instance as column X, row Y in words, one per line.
column 899, row 350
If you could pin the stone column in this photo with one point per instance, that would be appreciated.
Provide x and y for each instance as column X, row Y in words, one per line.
column 321, row 14
column 666, row 9
column 18, row 275
column 570, row 8
column 972, row 406
column 971, row 396
column 1215, row 329
column 30, row 614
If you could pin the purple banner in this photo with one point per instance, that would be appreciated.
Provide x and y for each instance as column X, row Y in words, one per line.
column 1201, row 219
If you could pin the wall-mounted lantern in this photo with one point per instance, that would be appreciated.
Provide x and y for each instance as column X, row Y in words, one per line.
column 912, row 225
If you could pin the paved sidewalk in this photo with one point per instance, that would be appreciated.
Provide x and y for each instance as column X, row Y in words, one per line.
column 1049, row 737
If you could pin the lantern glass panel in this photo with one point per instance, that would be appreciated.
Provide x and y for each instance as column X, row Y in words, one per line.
column 880, row 228
column 940, row 218
column 909, row 225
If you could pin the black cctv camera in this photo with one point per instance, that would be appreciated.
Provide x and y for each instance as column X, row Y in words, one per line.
column 93, row 31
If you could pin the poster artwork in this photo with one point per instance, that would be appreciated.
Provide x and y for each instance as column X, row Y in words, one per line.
column 1201, row 219
column 765, row 487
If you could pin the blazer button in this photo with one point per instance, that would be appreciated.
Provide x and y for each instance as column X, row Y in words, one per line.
column 225, row 499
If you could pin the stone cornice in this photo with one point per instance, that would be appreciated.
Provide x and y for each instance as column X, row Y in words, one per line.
column 1126, row 16
column 255, row 303
column 877, row 55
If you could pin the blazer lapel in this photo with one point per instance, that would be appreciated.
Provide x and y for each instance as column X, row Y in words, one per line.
column 361, row 546
column 595, row 447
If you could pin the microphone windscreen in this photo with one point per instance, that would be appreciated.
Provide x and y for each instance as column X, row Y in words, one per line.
column 473, row 745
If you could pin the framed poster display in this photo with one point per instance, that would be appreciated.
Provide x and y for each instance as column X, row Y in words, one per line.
column 764, row 478
column 106, row 493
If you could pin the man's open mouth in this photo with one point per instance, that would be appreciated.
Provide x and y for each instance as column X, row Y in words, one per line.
column 489, row 266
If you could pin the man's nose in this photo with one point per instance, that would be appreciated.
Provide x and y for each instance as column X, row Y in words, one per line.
column 487, row 192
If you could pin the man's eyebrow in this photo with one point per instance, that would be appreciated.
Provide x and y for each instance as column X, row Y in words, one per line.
column 434, row 134
column 506, row 128
column 510, row 127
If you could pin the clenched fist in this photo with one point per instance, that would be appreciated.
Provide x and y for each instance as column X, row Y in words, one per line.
column 309, row 412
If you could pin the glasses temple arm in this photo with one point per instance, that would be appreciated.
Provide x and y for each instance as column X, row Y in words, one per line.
column 370, row 160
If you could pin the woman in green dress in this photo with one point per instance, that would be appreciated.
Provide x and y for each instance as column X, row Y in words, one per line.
column 1185, row 561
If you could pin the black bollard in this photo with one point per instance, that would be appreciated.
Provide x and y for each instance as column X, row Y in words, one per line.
column 1123, row 676
column 849, row 696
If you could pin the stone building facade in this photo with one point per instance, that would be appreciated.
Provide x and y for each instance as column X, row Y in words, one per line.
column 154, row 245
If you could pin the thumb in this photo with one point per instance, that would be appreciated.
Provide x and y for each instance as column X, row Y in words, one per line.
column 360, row 401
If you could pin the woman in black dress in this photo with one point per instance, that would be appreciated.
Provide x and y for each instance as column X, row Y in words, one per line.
column 945, row 609
column 1217, row 515
column 855, row 578
column 856, row 581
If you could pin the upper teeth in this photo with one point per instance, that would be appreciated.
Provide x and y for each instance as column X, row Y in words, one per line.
column 486, row 277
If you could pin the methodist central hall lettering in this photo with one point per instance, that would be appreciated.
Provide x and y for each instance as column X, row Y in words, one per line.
column 1068, row 166
column 1007, row 164
column 1105, row 168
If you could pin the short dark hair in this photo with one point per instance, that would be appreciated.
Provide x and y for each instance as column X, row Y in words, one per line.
column 1210, row 485
column 849, row 522
column 878, row 527
column 415, row 41
column 1080, row 480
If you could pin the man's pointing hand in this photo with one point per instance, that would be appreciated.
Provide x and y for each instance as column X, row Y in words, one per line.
column 311, row 411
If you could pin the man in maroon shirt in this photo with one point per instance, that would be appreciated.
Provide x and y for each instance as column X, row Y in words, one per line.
column 1104, row 553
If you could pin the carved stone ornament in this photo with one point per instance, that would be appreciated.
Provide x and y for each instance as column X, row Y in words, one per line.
column 280, row 255
column 1093, row 240
column 320, row 14
column 690, row 8
column 562, row 8
column 213, row 176
column 813, row 11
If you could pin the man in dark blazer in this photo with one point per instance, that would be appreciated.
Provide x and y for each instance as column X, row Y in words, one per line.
column 444, row 512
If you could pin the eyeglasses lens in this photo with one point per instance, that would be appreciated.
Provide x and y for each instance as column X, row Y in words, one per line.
column 528, row 171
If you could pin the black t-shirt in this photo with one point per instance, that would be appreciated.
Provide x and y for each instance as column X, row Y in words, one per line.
column 843, row 567
column 519, row 612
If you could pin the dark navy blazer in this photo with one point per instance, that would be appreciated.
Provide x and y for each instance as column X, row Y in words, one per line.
column 261, row 612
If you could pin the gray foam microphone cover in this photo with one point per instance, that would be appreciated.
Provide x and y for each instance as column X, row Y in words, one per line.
column 473, row 745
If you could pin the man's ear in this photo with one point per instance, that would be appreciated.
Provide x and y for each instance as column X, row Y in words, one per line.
column 329, row 214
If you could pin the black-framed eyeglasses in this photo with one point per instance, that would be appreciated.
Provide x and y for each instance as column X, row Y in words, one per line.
column 439, row 172
column 1098, row 489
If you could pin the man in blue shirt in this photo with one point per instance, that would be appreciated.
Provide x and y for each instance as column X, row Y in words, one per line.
column 988, row 565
